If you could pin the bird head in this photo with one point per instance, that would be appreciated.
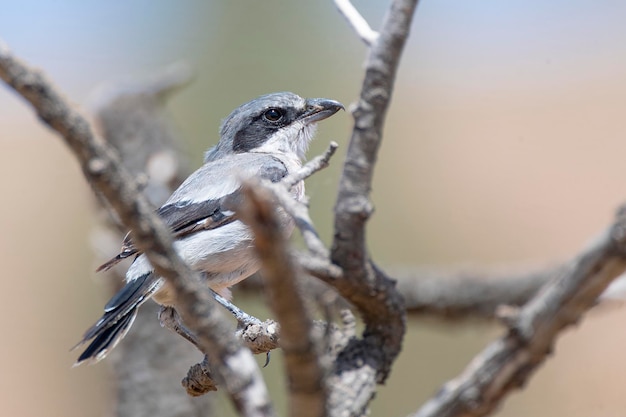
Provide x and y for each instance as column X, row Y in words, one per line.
column 274, row 123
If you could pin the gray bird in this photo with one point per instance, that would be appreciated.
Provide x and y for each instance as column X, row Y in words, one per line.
column 264, row 138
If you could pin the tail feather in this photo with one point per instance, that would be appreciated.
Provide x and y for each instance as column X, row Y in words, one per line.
column 119, row 314
column 107, row 340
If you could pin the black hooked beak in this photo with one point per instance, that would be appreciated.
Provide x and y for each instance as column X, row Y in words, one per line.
column 319, row 109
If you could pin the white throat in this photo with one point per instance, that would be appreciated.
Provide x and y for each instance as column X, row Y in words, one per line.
column 292, row 139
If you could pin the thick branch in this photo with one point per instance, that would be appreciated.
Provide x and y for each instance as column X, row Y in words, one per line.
column 233, row 364
column 509, row 362
column 362, row 284
column 307, row 394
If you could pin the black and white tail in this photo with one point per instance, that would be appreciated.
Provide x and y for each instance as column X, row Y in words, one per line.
column 119, row 314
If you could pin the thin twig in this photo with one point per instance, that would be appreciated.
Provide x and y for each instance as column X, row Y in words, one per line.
column 311, row 167
column 358, row 23
column 298, row 210
column 234, row 365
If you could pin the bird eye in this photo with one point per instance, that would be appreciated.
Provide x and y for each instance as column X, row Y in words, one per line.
column 273, row 115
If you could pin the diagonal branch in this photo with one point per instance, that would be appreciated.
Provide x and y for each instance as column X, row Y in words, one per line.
column 233, row 364
column 281, row 192
column 133, row 118
column 509, row 362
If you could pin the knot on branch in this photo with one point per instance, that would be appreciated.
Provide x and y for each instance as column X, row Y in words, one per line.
column 198, row 380
column 260, row 337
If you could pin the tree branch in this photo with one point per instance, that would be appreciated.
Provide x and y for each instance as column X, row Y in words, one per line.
column 311, row 167
column 453, row 294
column 307, row 393
column 362, row 283
column 281, row 191
column 233, row 364
column 509, row 362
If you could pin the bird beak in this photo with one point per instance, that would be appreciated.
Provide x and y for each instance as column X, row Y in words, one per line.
column 319, row 109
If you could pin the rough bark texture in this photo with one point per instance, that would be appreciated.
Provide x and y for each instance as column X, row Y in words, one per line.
column 368, row 360
column 305, row 376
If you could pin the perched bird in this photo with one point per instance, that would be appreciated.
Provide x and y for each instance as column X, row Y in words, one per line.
column 264, row 138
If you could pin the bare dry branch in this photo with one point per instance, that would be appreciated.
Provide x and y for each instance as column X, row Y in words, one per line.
column 233, row 364
column 307, row 393
column 369, row 359
column 509, row 362
column 299, row 211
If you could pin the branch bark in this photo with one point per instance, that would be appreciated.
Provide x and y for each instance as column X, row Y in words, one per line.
column 234, row 365
column 307, row 393
column 375, row 296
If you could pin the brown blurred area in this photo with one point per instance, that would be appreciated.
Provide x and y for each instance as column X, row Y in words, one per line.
column 504, row 145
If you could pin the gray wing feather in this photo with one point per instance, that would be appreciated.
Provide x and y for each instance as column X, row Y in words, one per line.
column 209, row 197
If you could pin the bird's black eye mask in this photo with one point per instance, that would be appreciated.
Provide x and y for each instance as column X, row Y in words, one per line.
column 260, row 128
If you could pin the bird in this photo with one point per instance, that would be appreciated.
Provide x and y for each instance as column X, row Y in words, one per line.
column 265, row 138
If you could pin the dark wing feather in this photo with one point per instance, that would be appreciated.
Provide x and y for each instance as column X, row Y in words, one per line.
column 186, row 217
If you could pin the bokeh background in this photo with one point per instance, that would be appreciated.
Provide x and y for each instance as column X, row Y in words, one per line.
column 504, row 146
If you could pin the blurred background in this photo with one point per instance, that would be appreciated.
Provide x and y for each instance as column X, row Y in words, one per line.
column 504, row 145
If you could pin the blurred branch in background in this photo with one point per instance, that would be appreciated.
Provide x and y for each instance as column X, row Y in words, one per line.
column 468, row 293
